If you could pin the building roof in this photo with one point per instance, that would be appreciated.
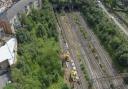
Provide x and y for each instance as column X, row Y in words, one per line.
column 7, row 51
column 18, row 7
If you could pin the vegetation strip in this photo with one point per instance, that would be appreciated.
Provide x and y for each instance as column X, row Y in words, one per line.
column 38, row 65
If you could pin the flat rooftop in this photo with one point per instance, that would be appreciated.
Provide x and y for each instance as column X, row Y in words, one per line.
column 7, row 51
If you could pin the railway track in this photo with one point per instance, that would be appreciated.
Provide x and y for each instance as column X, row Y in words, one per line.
column 95, row 73
column 72, row 54
column 74, row 38
column 96, row 67
column 104, row 60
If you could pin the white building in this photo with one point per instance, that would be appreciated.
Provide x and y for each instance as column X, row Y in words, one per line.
column 8, row 47
column 8, row 53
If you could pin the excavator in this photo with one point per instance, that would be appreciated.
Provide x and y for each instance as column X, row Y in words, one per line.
column 66, row 56
column 74, row 76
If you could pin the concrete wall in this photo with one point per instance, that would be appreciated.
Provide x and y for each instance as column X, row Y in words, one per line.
column 12, row 23
column 36, row 4
column 4, row 64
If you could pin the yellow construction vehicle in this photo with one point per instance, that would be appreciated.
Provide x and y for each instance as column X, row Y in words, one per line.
column 66, row 56
column 74, row 76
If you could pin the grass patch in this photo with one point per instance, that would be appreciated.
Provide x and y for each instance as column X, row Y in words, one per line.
column 57, row 85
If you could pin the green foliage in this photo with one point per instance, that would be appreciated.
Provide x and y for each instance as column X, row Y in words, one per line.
column 64, row 1
column 41, row 31
column 57, row 85
column 123, row 59
column 38, row 65
column 65, row 86
column 116, row 5
column 115, row 43
column 10, row 86
column 26, row 22
column 23, row 36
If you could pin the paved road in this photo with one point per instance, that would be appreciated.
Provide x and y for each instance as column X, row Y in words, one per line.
column 3, row 80
column 113, row 18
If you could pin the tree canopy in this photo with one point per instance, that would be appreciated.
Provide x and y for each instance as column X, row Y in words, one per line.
column 38, row 65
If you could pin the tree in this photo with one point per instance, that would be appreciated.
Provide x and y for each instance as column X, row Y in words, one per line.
column 111, row 3
column 38, row 65
column 115, row 43
column 41, row 31
column 23, row 35
column 123, row 59
column 65, row 86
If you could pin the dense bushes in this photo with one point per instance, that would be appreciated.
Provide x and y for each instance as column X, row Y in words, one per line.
column 38, row 64
column 108, row 33
column 23, row 36
column 64, row 1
